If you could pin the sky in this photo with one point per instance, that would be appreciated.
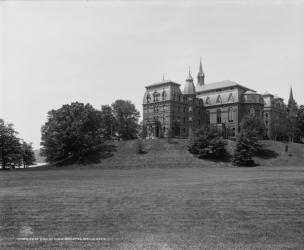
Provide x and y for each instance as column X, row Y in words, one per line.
column 57, row 52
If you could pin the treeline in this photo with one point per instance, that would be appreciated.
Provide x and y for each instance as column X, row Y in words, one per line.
column 209, row 143
column 13, row 150
column 76, row 132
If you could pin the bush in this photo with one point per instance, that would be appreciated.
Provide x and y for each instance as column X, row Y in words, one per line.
column 140, row 147
column 207, row 143
column 244, row 151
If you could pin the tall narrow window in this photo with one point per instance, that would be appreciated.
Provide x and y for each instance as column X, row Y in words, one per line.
column 208, row 117
column 252, row 112
column 230, row 114
column 219, row 116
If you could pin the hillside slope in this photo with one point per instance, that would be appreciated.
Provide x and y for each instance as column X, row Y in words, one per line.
column 159, row 153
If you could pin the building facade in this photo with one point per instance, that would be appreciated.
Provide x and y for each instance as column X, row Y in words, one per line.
column 167, row 109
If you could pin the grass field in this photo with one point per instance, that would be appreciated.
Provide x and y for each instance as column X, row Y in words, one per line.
column 154, row 208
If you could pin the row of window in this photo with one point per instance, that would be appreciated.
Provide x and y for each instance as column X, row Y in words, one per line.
column 219, row 99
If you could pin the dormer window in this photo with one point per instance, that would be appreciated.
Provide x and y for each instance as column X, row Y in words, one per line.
column 230, row 98
column 218, row 99
column 208, row 101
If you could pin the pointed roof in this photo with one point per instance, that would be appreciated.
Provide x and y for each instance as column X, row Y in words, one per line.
column 290, row 96
column 189, row 88
column 189, row 78
column 200, row 71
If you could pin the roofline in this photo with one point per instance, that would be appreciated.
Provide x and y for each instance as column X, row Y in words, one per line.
column 162, row 83
column 233, row 85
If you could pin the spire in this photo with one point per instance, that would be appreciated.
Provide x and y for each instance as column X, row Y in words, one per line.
column 200, row 71
column 200, row 75
column 290, row 96
column 189, row 78
column 163, row 76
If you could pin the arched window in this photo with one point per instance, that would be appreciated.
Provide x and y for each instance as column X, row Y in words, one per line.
column 155, row 96
column 164, row 95
column 252, row 111
column 219, row 116
column 148, row 98
column 230, row 114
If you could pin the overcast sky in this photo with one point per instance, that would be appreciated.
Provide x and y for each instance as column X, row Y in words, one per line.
column 57, row 52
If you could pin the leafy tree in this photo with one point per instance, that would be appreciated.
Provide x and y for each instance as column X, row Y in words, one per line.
column 126, row 117
column 28, row 155
column 300, row 122
column 254, row 124
column 108, row 122
column 9, row 144
column 279, row 127
column 292, row 110
column 72, row 133
column 207, row 143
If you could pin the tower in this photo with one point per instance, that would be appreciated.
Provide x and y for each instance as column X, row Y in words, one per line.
column 200, row 75
column 190, row 95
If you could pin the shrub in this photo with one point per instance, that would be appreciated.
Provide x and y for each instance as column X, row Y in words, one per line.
column 207, row 143
column 244, row 151
column 140, row 147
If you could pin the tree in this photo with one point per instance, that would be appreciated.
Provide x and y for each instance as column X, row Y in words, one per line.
column 207, row 143
column 255, row 125
column 300, row 122
column 292, row 110
column 279, row 127
column 108, row 122
column 28, row 155
column 9, row 144
column 243, row 151
column 126, row 117
column 72, row 133
column 252, row 129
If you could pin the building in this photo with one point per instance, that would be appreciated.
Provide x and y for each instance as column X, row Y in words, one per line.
column 221, row 104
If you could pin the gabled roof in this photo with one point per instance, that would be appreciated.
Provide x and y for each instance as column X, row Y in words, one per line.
column 219, row 85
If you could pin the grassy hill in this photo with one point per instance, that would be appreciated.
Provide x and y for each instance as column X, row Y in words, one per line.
column 163, row 154
column 160, row 153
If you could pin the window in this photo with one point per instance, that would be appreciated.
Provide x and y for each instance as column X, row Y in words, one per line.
column 218, row 99
column 184, row 119
column 230, row 98
column 148, row 98
column 230, row 114
column 190, row 109
column 155, row 96
column 252, row 112
column 208, row 101
column 208, row 117
column 164, row 95
column 219, row 116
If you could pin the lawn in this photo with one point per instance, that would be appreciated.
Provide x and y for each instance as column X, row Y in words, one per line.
column 154, row 208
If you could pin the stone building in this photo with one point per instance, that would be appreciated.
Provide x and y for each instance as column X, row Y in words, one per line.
column 221, row 104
